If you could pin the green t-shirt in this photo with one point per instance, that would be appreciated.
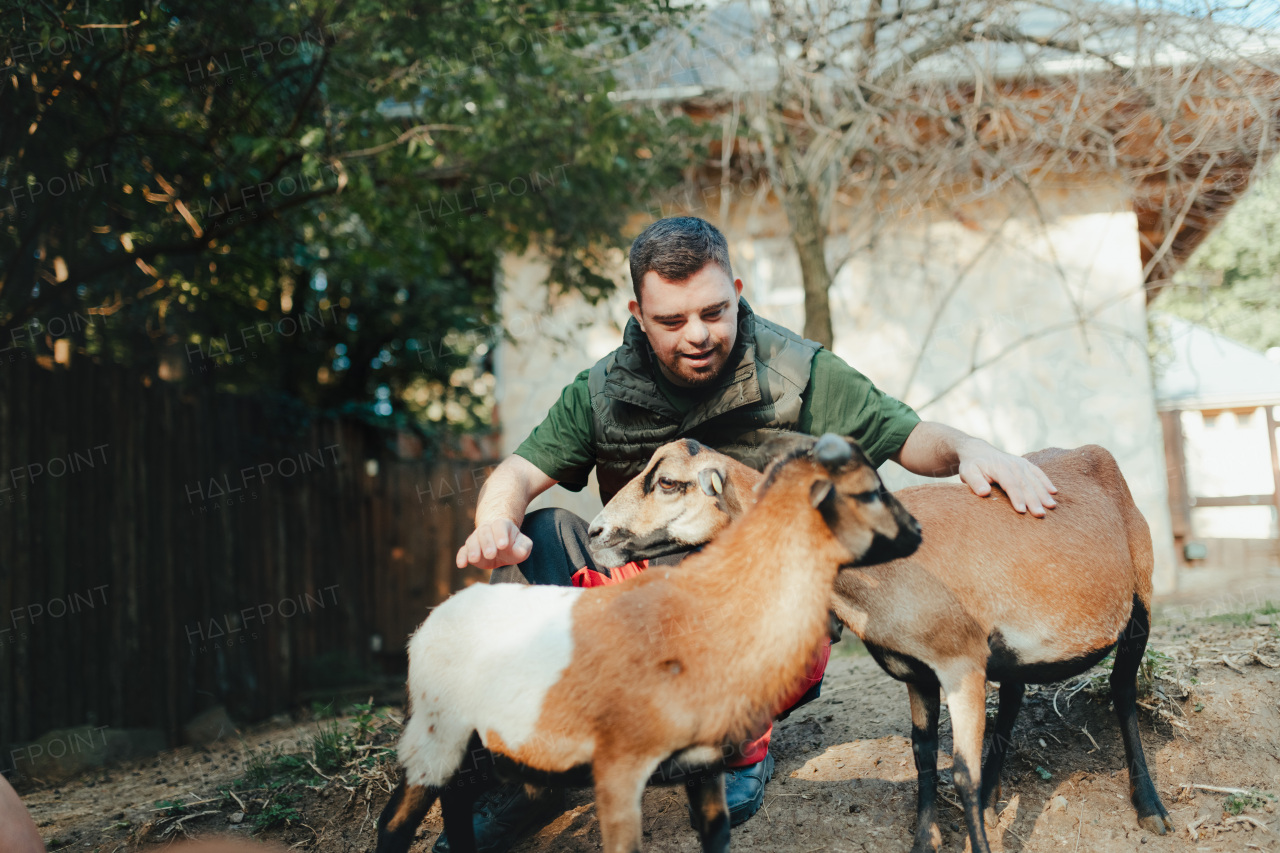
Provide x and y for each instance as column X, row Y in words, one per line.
column 837, row 399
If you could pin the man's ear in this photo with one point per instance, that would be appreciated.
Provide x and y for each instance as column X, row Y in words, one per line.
column 634, row 308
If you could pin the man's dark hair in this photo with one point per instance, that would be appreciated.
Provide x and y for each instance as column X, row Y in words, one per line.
column 676, row 248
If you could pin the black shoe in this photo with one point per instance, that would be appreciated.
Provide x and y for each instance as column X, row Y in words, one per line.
column 505, row 813
column 744, row 788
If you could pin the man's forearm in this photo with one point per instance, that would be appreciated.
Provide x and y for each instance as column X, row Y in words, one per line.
column 934, row 450
column 500, row 508
column 508, row 491
column 505, row 494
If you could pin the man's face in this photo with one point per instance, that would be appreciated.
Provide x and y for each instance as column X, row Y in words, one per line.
column 692, row 324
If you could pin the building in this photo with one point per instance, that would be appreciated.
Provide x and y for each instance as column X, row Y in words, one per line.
column 1017, row 315
column 1217, row 399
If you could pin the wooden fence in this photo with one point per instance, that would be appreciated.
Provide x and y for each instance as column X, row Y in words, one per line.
column 1240, row 556
column 162, row 553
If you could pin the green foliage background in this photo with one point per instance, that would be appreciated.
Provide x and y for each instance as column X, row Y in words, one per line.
column 186, row 186
column 1232, row 283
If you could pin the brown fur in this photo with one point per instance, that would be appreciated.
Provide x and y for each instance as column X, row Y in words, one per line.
column 407, row 809
column 660, row 668
column 661, row 655
column 1055, row 589
column 661, row 664
column 1071, row 575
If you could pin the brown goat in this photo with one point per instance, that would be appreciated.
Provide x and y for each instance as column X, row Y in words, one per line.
column 990, row 594
column 612, row 685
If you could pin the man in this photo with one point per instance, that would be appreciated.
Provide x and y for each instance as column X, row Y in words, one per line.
column 695, row 362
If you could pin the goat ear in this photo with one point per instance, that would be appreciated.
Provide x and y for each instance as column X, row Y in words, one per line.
column 711, row 481
column 819, row 492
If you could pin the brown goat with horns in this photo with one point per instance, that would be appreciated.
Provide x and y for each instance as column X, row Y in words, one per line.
column 989, row 594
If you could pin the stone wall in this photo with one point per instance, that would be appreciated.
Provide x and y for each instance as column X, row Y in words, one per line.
column 1023, row 324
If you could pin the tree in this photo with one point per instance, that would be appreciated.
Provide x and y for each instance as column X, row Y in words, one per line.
column 1232, row 283
column 869, row 108
column 306, row 197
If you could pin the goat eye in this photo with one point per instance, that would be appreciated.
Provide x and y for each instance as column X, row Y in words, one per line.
column 666, row 483
column 867, row 497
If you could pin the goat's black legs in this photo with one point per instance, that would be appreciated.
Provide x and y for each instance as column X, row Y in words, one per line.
column 1124, row 694
column 400, row 818
column 1011, row 693
column 924, row 745
column 456, row 805
column 709, row 812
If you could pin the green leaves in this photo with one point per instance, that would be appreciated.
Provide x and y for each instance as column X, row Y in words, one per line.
column 1232, row 283
column 290, row 160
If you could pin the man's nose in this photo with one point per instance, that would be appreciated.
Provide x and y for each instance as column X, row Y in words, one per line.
column 697, row 332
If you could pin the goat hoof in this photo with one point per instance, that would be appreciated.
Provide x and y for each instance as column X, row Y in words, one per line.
column 1156, row 824
column 929, row 841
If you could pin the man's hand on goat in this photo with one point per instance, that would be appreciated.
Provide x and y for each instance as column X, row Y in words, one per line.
column 494, row 544
column 1029, row 488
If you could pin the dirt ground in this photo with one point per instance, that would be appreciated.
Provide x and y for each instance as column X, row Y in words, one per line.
column 844, row 779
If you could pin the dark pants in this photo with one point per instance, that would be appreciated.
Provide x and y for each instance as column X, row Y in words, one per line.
column 559, row 549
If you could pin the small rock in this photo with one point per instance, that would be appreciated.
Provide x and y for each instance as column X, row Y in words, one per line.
column 1058, row 804
column 1261, row 619
column 235, row 817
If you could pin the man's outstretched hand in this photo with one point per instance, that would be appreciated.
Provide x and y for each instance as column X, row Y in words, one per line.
column 1029, row 488
column 497, row 543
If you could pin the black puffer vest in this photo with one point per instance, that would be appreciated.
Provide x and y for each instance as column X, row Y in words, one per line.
column 757, row 396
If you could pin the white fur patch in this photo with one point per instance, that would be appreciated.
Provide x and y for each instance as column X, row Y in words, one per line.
column 484, row 661
column 696, row 756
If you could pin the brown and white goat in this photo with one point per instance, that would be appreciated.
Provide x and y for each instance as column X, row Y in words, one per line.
column 990, row 594
column 612, row 685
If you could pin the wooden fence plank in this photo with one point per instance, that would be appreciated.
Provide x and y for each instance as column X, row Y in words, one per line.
column 183, row 561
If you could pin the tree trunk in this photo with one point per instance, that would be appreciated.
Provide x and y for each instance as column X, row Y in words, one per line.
column 808, row 230
column 809, row 234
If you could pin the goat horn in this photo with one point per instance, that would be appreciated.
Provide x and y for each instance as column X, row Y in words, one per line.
column 832, row 451
column 716, row 482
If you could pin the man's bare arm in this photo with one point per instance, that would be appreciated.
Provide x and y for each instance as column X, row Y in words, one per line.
column 935, row 450
column 497, row 540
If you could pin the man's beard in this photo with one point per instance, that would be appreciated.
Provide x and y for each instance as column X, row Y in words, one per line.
column 703, row 378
